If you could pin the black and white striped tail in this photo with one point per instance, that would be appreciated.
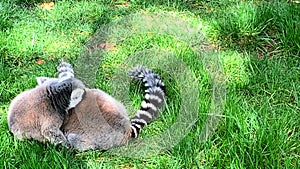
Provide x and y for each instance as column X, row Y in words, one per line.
column 66, row 75
column 65, row 70
column 154, row 98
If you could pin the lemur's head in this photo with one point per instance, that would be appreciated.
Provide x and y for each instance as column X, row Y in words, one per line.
column 71, row 87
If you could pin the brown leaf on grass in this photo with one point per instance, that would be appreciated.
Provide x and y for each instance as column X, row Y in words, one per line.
column 269, row 47
column 241, row 42
column 47, row 5
column 270, row 55
column 40, row 61
column 107, row 46
column 125, row 4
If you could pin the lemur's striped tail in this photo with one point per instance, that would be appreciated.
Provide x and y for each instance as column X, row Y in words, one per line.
column 65, row 70
column 65, row 73
column 154, row 98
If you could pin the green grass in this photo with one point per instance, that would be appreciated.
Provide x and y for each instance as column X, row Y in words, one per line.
column 258, row 44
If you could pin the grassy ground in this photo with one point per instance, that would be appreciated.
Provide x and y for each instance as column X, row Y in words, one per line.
column 259, row 44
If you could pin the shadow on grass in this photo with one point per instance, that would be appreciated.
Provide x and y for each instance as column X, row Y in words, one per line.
column 264, row 27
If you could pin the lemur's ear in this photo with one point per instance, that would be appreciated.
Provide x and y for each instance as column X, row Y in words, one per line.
column 41, row 80
column 76, row 97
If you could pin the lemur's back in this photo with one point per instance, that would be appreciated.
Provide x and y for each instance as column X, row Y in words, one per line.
column 23, row 120
column 97, row 122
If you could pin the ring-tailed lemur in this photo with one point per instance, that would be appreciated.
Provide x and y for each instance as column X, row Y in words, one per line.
column 39, row 113
column 99, row 121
